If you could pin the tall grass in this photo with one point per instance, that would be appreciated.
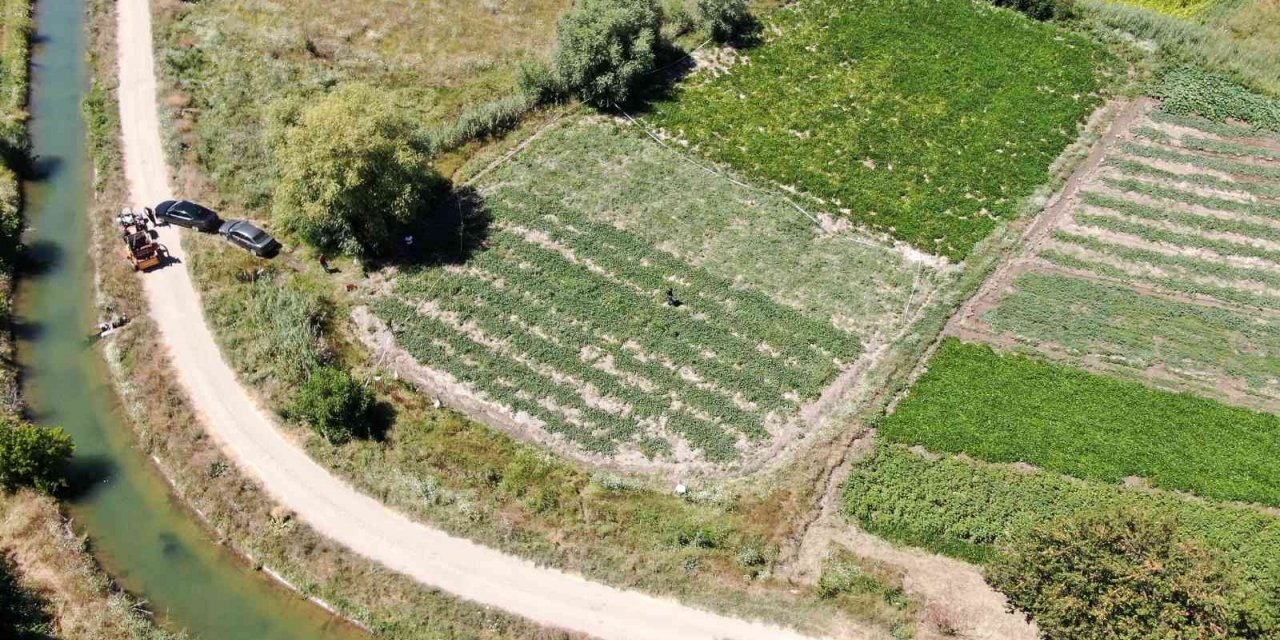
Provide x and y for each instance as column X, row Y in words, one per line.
column 1252, row 63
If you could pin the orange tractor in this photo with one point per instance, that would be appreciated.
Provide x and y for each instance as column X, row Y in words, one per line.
column 140, row 249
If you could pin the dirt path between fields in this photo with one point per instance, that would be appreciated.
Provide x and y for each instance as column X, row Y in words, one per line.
column 249, row 436
column 969, row 318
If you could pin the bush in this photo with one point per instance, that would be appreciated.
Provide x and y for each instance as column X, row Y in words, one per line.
column 1125, row 574
column 604, row 48
column 1041, row 9
column 538, row 83
column 1191, row 91
column 724, row 20
column 334, row 405
column 33, row 456
column 351, row 174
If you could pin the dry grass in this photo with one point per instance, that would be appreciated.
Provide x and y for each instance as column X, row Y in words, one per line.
column 56, row 564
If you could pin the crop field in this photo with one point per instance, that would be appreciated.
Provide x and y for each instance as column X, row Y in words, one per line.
column 850, row 104
column 1166, row 268
column 229, row 66
column 561, row 320
column 972, row 510
column 1011, row 408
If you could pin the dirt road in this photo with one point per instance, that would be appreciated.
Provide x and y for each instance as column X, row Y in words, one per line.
column 336, row 510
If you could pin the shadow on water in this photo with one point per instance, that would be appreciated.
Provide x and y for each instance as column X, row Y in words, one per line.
column 39, row 258
column 87, row 474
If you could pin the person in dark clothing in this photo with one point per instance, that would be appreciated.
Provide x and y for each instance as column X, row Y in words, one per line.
column 671, row 298
column 151, row 215
column 324, row 263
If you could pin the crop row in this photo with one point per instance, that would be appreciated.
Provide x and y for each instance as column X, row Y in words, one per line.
column 1137, row 168
column 1197, row 221
column 558, row 341
column 1202, row 161
column 1183, row 265
column 1196, row 143
column 526, row 388
column 1187, row 286
column 658, row 329
column 1122, row 224
column 1112, row 324
column 1182, row 196
column 1011, row 408
column 1225, row 129
column 732, row 308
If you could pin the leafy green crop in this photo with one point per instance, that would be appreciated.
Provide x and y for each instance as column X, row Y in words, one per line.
column 1010, row 408
column 907, row 114
column 974, row 510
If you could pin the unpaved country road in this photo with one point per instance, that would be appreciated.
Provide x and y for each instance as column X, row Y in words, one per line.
column 362, row 524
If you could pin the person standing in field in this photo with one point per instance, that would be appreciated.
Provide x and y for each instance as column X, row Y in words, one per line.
column 324, row 263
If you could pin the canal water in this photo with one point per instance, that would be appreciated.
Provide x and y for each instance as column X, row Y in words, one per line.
column 153, row 547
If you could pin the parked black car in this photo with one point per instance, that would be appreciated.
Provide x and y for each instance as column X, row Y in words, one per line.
column 188, row 214
column 250, row 237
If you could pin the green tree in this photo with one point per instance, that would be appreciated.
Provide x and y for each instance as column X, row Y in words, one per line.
column 1125, row 576
column 334, row 404
column 351, row 173
column 605, row 47
column 32, row 456
column 724, row 20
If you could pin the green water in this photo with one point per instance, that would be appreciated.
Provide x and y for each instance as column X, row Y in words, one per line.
column 153, row 547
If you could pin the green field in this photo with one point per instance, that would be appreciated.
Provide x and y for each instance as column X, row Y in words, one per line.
column 973, row 511
column 1010, row 408
column 562, row 317
column 905, row 115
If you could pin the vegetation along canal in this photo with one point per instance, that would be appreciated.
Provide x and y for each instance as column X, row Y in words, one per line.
column 149, row 544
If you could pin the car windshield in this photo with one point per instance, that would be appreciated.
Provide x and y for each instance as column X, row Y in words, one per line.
column 185, row 208
column 253, row 233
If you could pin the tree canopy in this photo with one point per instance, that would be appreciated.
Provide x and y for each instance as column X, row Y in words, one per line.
column 351, row 172
column 32, row 456
column 335, row 405
column 604, row 48
column 1126, row 576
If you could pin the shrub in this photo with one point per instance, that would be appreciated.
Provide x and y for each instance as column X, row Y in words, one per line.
column 351, row 174
column 33, row 456
column 1041, row 9
column 1122, row 575
column 604, row 47
column 538, row 83
column 1191, row 91
column 724, row 20
column 334, row 405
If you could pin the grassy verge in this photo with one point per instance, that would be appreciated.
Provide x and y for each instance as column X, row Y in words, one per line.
column 972, row 510
column 79, row 598
column 849, row 104
column 1010, row 408
column 236, row 510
